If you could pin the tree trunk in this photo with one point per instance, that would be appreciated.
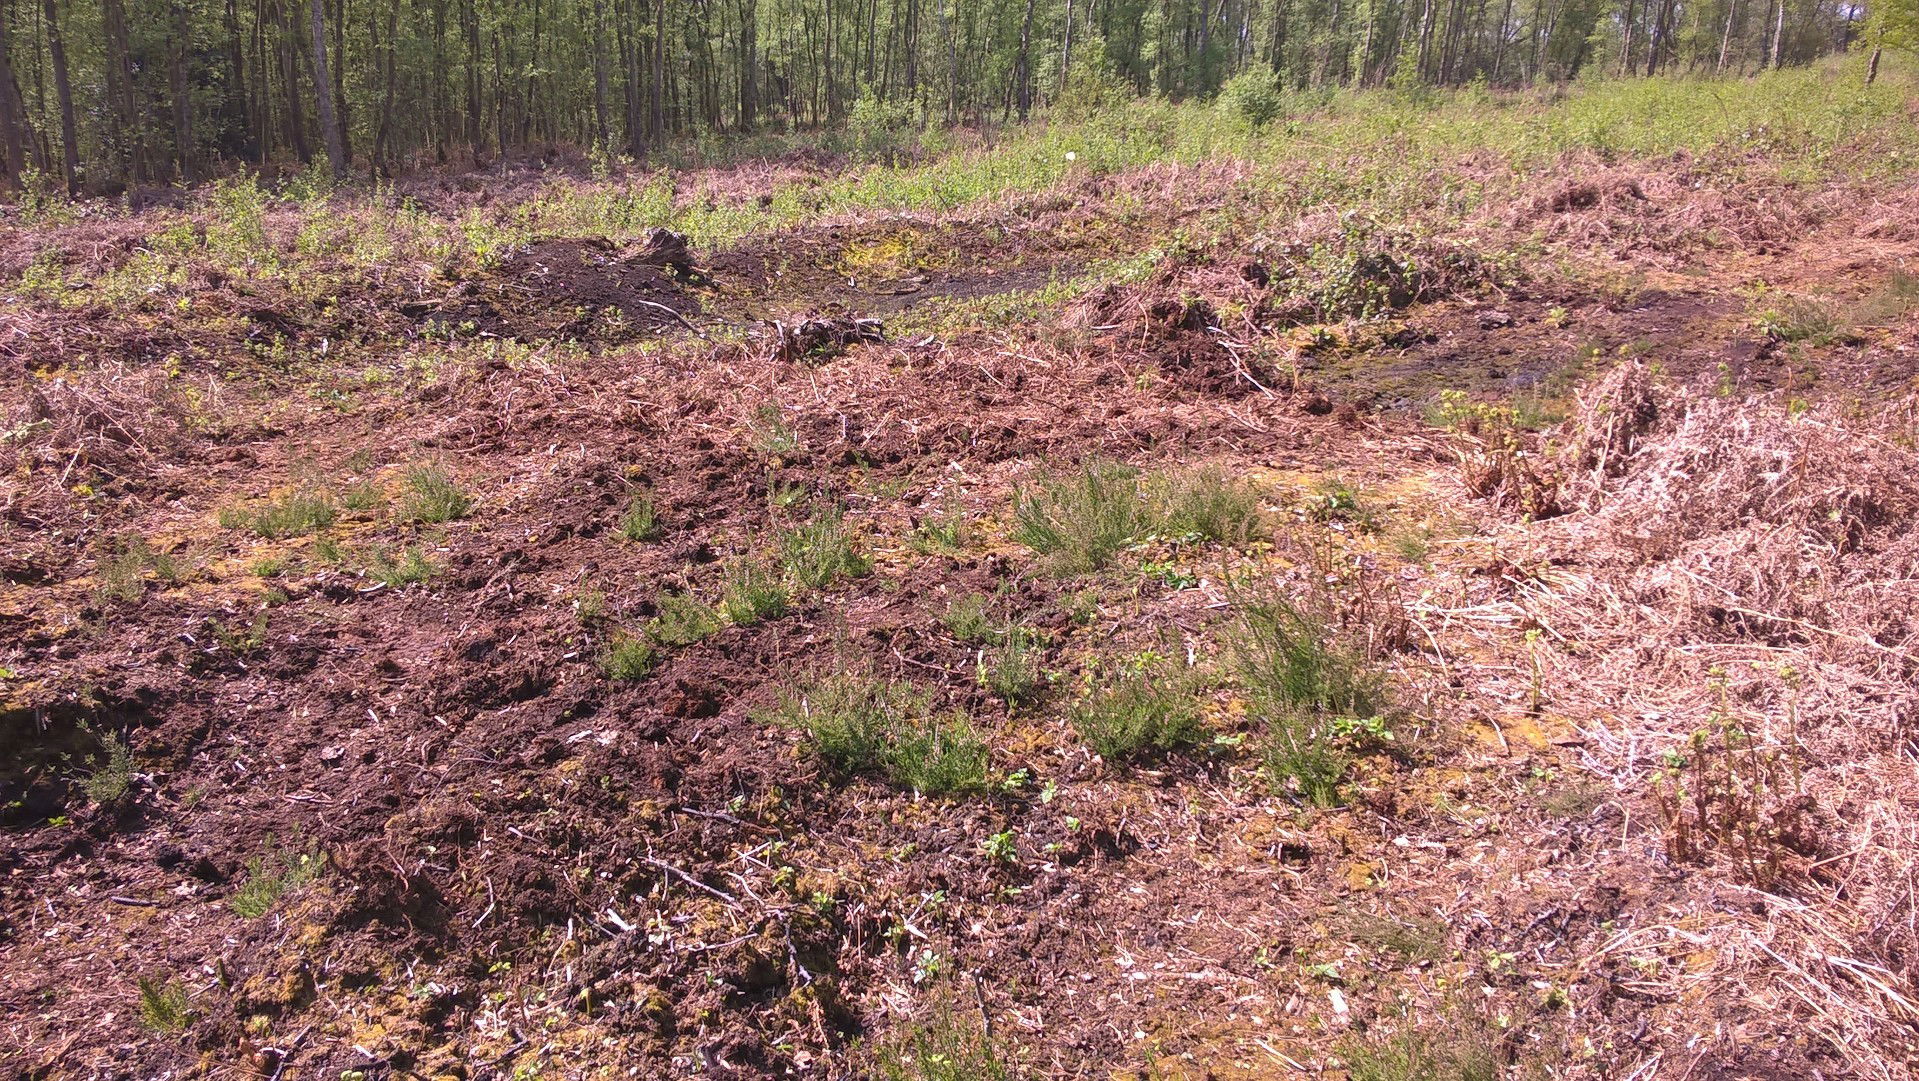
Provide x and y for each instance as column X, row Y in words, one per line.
column 63, row 93
column 178, row 47
column 323, row 91
column 392, row 84
column 13, row 114
column 1872, row 66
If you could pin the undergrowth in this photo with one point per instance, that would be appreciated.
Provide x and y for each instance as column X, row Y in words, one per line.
column 861, row 724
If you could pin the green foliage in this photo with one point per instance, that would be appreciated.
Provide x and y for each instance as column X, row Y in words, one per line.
column 109, row 774
column 683, row 619
column 1802, row 319
column 1459, row 1051
column 123, row 574
column 1147, row 705
column 640, row 521
column 431, row 494
column 238, row 640
column 1081, row 519
column 410, row 568
column 881, row 131
column 969, row 618
column 164, row 1006
column 272, row 876
column 1011, row 667
column 821, row 551
column 1205, row 504
column 628, row 657
column 304, row 511
column 859, row 724
column 753, row 593
column 1253, row 98
column 944, row 1048
column 1314, row 695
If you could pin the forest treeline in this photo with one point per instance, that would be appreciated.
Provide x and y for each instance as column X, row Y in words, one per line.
column 106, row 94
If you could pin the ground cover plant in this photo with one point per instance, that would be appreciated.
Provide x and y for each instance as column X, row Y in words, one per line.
column 1359, row 574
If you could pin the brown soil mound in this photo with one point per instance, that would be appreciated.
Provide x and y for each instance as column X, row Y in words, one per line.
column 587, row 289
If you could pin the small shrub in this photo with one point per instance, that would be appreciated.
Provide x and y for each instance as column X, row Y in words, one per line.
column 412, row 567
column 640, row 521
column 683, row 619
column 432, row 495
column 772, row 436
column 753, row 592
column 164, row 1006
column 936, row 755
column 821, row 551
column 109, row 774
column 1335, row 500
column 363, row 496
column 123, row 574
column 1253, row 97
column 240, row 640
column 1011, row 668
column 1148, row 706
column 1803, row 319
column 628, row 657
column 1081, row 520
column 966, row 616
column 271, row 877
column 1207, row 505
column 948, row 532
column 1725, row 792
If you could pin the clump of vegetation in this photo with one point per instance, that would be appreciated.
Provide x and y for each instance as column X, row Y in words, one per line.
column 108, row 774
column 753, row 593
column 968, row 617
column 683, row 619
column 947, row 532
column 1334, row 499
column 164, row 1006
column 123, row 574
column 295, row 514
column 640, row 521
column 1314, row 695
column 820, row 551
column 431, row 494
column 860, row 724
column 628, row 657
column 772, row 436
column 362, row 496
column 1011, row 667
column 1207, row 505
column 942, row 1049
column 1082, row 519
column 240, row 639
column 271, row 877
column 410, row 568
column 1253, row 97
column 1724, row 791
column 1803, row 319
column 1148, row 705
column 1464, row 1046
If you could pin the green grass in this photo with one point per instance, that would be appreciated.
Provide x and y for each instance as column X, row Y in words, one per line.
column 969, row 618
column 271, row 877
column 297, row 513
column 109, row 774
column 1312, row 693
column 410, row 567
column 1460, row 1050
column 1147, row 706
column 1081, row 519
column 431, row 494
column 860, row 724
column 1207, row 505
column 1010, row 667
column 943, row 1048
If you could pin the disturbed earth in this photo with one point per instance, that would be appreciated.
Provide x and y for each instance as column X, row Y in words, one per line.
column 412, row 667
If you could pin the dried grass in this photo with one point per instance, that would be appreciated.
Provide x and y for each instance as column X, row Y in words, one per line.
column 1743, row 562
